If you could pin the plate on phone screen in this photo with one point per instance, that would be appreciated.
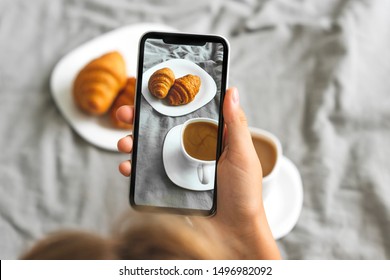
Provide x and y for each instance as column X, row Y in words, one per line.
column 97, row 130
column 180, row 68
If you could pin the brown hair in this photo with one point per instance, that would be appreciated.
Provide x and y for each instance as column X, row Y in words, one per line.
column 139, row 236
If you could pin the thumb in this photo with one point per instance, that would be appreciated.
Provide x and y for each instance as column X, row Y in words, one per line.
column 238, row 137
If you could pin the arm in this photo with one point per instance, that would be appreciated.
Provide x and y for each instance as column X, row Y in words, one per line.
column 240, row 212
column 240, row 217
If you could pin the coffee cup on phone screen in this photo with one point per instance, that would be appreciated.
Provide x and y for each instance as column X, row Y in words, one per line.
column 199, row 146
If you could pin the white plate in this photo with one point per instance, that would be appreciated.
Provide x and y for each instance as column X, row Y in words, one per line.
column 180, row 67
column 179, row 171
column 96, row 130
column 283, row 205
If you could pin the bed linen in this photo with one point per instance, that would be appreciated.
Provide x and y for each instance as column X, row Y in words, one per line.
column 314, row 73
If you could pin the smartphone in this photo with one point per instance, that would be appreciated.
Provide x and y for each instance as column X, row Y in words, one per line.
column 178, row 122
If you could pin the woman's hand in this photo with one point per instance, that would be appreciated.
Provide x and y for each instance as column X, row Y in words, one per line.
column 240, row 218
column 240, row 212
column 125, row 144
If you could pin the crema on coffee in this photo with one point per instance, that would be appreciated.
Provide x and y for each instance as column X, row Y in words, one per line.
column 200, row 140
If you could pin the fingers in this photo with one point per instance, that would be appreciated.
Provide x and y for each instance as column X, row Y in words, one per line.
column 125, row 168
column 232, row 111
column 125, row 144
column 125, row 114
column 236, row 123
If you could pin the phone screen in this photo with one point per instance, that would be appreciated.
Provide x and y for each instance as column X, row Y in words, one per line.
column 178, row 122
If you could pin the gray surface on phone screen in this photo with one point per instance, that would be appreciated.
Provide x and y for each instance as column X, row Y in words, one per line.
column 153, row 187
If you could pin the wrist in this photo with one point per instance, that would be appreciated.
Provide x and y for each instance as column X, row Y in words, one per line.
column 251, row 238
column 260, row 242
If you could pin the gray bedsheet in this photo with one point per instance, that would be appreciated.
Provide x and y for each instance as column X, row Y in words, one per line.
column 315, row 73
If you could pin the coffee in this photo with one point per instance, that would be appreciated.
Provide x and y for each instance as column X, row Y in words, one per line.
column 267, row 153
column 200, row 140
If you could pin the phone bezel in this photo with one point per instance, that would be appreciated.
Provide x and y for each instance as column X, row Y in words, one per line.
column 185, row 39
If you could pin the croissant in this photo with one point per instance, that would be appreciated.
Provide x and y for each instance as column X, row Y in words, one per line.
column 125, row 97
column 184, row 90
column 160, row 82
column 99, row 82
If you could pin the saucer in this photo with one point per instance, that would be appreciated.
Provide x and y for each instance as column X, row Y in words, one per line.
column 178, row 170
column 283, row 204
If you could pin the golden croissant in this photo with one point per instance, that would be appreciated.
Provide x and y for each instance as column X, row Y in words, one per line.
column 99, row 82
column 160, row 82
column 184, row 90
column 125, row 97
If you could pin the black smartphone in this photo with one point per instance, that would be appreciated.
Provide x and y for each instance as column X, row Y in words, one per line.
column 178, row 122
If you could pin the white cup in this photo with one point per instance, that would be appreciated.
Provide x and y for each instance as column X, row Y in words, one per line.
column 269, row 180
column 205, row 168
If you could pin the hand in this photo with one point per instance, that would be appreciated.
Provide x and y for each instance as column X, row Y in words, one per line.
column 125, row 144
column 240, row 211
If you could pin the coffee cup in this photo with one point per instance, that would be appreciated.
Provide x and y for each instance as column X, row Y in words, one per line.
column 269, row 151
column 199, row 146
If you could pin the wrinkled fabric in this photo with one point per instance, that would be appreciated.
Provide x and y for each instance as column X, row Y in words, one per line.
column 314, row 73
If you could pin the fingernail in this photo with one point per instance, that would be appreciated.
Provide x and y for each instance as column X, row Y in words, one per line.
column 235, row 96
